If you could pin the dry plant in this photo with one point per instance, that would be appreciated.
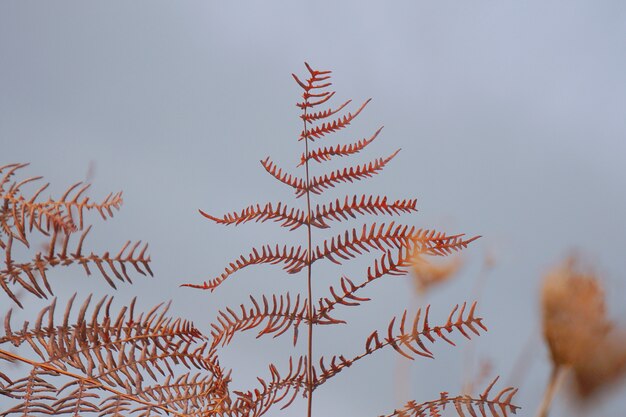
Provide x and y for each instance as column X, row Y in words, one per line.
column 394, row 244
column 92, row 360
column 578, row 332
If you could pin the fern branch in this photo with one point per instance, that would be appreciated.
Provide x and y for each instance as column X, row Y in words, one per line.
column 331, row 127
column 273, row 391
column 388, row 264
column 66, row 213
column 325, row 154
column 149, row 343
column 351, row 207
column 27, row 274
column 500, row 405
column 418, row 241
column 297, row 184
column 16, row 388
column 323, row 114
column 278, row 315
column 293, row 258
column 319, row 184
column 346, row 297
column 315, row 82
column 408, row 341
column 78, row 401
column 114, row 351
column 193, row 395
column 280, row 213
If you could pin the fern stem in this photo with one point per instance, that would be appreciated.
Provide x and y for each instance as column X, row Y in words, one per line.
column 309, row 284
column 555, row 380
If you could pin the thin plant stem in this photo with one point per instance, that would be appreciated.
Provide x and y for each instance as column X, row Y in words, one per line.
column 555, row 380
column 309, row 382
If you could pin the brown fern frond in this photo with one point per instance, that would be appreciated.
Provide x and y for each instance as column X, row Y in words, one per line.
column 388, row 264
column 316, row 81
column 318, row 185
column 277, row 316
column 280, row 213
column 345, row 297
column 500, row 405
column 110, row 351
column 323, row 114
column 294, row 259
column 325, row 154
column 352, row 243
column 115, row 349
column 66, row 213
column 193, row 394
column 410, row 342
column 115, row 406
column 7, row 171
column 273, row 391
column 34, row 392
column 331, row 127
column 77, row 402
column 297, row 183
column 27, row 274
column 351, row 207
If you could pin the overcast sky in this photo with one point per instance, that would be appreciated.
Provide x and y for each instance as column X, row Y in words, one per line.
column 510, row 116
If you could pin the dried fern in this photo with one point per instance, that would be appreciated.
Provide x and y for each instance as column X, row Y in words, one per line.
column 56, row 220
column 124, row 360
column 394, row 245
column 92, row 361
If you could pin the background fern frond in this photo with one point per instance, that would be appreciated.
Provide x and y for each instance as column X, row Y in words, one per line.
column 115, row 353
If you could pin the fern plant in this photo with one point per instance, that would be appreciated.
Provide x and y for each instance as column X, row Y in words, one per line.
column 395, row 246
column 90, row 360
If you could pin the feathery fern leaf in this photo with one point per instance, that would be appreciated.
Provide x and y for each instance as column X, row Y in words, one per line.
column 277, row 389
column 114, row 353
column 326, row 154
column 278, row 315
column 331, row 127
column 499, row 405
column 350, row 208
column 293, row 258
column 409, row 342
column 22, row 214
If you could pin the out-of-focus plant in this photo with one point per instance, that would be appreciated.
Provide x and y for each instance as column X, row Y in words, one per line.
column 578, row 333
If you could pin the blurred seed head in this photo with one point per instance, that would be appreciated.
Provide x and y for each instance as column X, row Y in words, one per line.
column 577, row 330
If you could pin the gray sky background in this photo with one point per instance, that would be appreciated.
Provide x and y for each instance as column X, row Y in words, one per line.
column 510, row 116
